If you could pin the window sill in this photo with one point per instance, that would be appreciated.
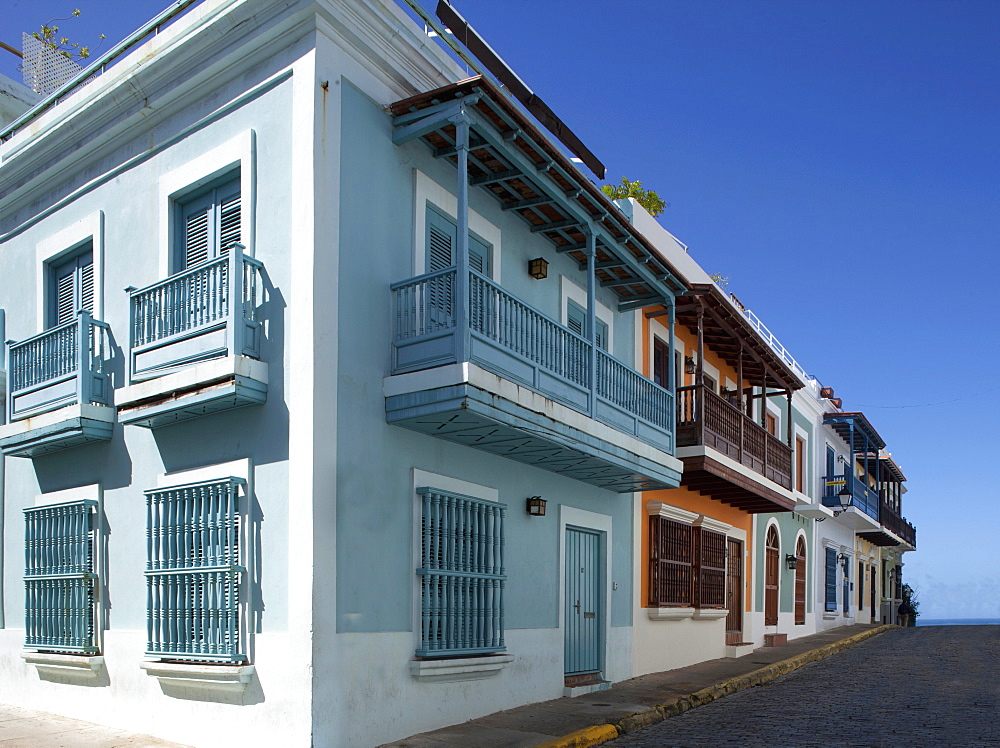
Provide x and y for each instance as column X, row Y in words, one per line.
column 66, row 668
column 192, row 680
column 830, row 615
column 710, row 614
column 463, row 668
column 669, row 614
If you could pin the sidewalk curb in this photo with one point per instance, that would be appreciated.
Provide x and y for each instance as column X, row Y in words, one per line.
column 598, row 734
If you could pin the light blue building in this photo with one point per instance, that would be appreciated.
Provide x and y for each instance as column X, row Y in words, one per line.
column 321, row 391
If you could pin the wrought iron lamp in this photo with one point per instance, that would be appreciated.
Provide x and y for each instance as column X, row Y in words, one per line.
column 538, row 268
column 791, row 561
column 535, row 506
column 690, row 367
column 846, row 498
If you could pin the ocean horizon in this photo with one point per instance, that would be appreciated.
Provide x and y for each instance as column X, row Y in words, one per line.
column 921, row 621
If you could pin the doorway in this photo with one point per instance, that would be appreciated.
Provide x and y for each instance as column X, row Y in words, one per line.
column 584, row 613
column 800, row 581
column 734, row 591
column 771, row 577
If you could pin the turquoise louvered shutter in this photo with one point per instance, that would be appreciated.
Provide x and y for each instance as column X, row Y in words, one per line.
column 72, row 288
column 442, row 240
column 602, row 335
column 576, row 320
column 210, row 224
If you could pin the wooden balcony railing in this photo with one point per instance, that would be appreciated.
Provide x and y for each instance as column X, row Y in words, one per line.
column 205, row 312
column 891, row 521
column 862, row 497
column 62, row 366
column 705, row 419
column 509, row 337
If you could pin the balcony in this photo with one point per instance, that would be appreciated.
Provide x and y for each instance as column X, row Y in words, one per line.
column 862, row 514
column 526, row 387
column 895, row 524
column 706, row 420
column 195, row 341
column 59, row 389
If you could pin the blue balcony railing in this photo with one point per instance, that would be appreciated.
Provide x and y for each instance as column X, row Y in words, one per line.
column 863, row 498
column 510, row 338
column 190, row 317
column 66, row 365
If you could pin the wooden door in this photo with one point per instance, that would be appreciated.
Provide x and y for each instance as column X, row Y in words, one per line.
column 583, row 615
column 734, row 591
column 771, row 577
column 800, row 581
column 871, row 588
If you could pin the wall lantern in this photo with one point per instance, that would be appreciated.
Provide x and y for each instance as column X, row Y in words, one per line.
column 792, row 561
column 690, row 367
column 846, row 498
column 538, row 268
column 536, row 506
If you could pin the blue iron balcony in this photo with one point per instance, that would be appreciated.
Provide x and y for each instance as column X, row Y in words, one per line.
column 863, row 498
column 58, row 389
column 195, row 341
column 502, row 335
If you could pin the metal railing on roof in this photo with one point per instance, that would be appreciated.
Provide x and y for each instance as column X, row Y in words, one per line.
column 98, row 66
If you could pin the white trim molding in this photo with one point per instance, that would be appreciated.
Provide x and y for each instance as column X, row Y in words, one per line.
column 191, row 681
column 65, row 242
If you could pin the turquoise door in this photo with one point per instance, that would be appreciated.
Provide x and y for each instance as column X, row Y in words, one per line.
column 584, row 608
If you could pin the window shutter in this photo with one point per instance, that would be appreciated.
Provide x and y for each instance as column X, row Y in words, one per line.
column 479, row 256
column 441, row 241
column 602, row 335
column 229, row 222
column 576, row 318
column 65, row 298
column 831, row 579
column 196, row 236
column 87, row 284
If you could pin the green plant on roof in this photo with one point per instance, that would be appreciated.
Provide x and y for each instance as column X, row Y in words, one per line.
column 49, row 36
column 648, row 199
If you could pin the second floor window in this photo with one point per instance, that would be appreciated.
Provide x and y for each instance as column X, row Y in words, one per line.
column 442, row 241
column 209, row 224
column 576, row 320
column 71, row 287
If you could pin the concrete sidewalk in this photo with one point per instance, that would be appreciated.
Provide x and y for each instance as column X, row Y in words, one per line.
column 23, row 728
column 598, row 717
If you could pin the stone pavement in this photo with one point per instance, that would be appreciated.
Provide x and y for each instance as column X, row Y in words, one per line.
column 23, row 728
column 633, row 703
column 932, row 686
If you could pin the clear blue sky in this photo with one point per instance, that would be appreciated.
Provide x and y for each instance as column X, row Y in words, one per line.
column 839, row 161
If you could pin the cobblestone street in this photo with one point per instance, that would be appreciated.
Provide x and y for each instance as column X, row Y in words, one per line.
column 933, row 686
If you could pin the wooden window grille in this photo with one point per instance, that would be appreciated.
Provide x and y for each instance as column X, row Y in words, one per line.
column 710, row 576
column 671, row 564
column 60, row 581
column 462, row 576
column 194, row 572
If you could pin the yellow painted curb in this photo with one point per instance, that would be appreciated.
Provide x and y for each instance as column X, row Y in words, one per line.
column 584, row 738
column 602, row 733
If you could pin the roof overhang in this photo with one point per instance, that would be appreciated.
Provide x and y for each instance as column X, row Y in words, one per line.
column 527, row 174
column 855, row 430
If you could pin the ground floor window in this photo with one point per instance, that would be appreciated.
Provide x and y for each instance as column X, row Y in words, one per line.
column 687, row 565
column 462, row 575
column 194, row 571
column 831, row 579
column 60, row 583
